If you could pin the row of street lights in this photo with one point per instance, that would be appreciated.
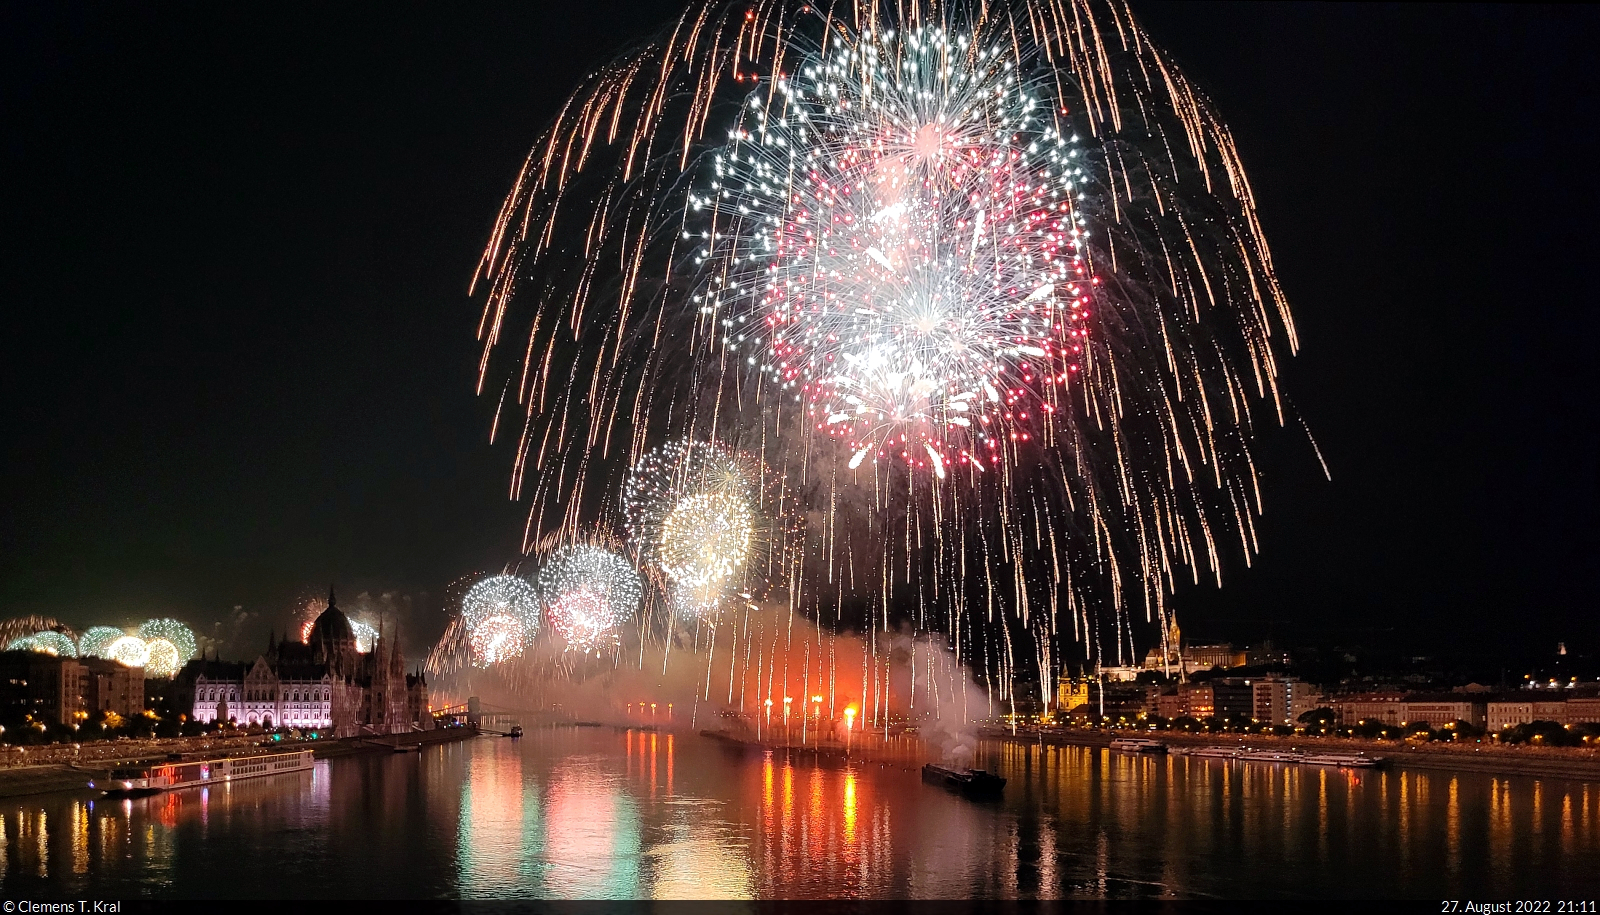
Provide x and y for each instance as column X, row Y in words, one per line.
column 805, row 723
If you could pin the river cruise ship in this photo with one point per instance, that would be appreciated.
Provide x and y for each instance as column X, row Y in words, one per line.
column 169, row 776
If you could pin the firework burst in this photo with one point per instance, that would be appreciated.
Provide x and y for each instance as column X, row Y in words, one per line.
column 589, row 592
column 130, row 650
column 692, row 511
column 96, row 641
column 500, row 616
column 46, row 642
column 894, row 235
column 983, row 281
column 168, row 645
column 21, row 626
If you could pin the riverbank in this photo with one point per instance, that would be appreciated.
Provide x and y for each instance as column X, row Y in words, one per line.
column 110, row 753
column 48, row 777
column 1495, row 759
column 390, row 743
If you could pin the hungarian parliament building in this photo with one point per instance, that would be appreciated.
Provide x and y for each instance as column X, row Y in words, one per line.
column 323, row 683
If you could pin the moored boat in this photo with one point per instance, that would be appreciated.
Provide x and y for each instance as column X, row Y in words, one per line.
column 135, row 781
column 1138, row 745
column 971, row 783
column 1345, row 760
column 1289, row 756
column 1213, row 752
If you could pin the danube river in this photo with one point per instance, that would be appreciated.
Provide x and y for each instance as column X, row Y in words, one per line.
column 599, row 813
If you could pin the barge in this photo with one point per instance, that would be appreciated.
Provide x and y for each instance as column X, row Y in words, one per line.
column 972, row 783
column 137, row 781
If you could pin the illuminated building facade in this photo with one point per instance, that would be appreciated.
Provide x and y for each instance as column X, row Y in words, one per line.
column 1434, row 711
column 324, row 682
column 111, row 686
column 59, row 690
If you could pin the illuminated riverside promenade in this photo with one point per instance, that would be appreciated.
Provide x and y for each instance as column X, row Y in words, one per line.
column 596, row 812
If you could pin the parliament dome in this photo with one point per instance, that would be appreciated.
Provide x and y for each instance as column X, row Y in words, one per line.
column 331, row 632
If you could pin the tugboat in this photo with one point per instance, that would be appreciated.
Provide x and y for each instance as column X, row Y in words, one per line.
column 974, row 784
column 515, row 732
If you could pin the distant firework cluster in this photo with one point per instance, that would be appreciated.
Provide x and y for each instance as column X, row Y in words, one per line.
column 366, row 634
column 949, row 315
column 700, row 524
column 160, row 646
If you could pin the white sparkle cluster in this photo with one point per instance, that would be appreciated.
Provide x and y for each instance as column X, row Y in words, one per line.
column 589, row 592
column 501, row 615
column 896, row 244
column 691, row 510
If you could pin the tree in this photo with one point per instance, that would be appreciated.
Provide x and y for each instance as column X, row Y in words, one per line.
column 1459, row 730
column 1541, row 733
column 1371, row 728
column 1417, row 729
column 1319, row 720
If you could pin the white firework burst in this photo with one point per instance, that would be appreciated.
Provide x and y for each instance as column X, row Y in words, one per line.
column 897, row 241
column 589, row 592
column 501, row 615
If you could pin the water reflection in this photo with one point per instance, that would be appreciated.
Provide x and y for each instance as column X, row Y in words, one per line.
column 593, row 830
column 491, row 834
column 593, row 813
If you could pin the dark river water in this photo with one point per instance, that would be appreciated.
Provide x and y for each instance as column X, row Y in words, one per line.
column 598, row 813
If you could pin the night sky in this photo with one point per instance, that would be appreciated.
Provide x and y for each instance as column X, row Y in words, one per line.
column 239, row 354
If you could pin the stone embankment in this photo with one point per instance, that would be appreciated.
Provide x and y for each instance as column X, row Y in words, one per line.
column 1492, row 758
column 390, row 743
